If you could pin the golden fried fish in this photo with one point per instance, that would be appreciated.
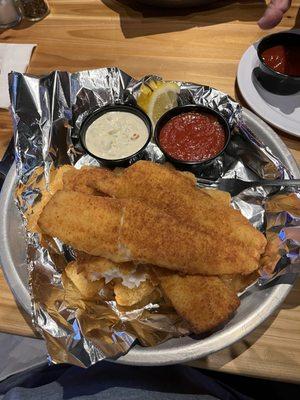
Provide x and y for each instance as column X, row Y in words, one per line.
column 95, row 268
column 37, row 182
column 129, row 230
column 89, row 223
column 176, row 194
column 127, row 297
column 204, row 302
column 84, row 180
column 87, row 289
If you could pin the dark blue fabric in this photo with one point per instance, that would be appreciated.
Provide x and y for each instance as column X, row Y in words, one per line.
column 108, row 381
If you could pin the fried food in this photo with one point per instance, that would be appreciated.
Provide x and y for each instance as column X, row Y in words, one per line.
column 127, row 297
column 38, row 183
column 84, row 180
column 127, row 273
column 89, row 223
column 271, row 255
column 130, row 286
column 128, row 230
column 148, row 230
column 86, row 288
column 204, row 302
column 175, row 193
column 154, row 237
column 219, row 196
column 95, row 268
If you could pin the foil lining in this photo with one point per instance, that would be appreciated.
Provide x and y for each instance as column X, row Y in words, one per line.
column 47, row 113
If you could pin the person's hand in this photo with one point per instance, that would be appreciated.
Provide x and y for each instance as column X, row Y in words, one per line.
column 274, row 13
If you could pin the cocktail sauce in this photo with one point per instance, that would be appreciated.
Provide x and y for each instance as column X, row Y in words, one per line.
column 284, row 59
column 192, row 136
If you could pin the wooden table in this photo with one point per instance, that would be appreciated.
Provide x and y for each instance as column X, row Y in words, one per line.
column 201, row 46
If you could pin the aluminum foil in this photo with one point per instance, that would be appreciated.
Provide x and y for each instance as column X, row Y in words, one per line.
column 47, row 113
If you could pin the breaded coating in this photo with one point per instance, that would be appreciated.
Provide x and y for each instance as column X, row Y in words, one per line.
column 154, row 237
column 129, row 297
column 84, row 180
column 128, row 230
column 146, row 181
column 219, row 196
column 271, row 255
column 46, row 192
column 95, row 268
column 204, row 302
column 88, row 223
column 176, row 194
column 87, row 289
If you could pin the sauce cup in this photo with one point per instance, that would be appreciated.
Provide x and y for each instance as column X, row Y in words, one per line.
column 270, row 75
column 196, row 165
column 123, row 161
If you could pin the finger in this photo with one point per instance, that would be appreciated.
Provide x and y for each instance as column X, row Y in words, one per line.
column 274, row 13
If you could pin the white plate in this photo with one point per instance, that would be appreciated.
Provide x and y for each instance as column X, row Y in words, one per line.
column 283, row 112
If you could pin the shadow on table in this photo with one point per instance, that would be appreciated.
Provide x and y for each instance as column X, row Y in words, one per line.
column 297, row 20
column 141, row 20
column 232, row 352
column 293, row 298
column 24, row 24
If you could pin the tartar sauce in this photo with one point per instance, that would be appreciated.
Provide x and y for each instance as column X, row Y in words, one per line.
column 116, row 135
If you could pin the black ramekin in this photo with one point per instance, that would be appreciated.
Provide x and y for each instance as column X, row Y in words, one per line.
column 122, row 162
column 191, row 165
column 281, row 38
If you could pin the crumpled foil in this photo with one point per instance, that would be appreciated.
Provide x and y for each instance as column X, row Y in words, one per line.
column 47, row 113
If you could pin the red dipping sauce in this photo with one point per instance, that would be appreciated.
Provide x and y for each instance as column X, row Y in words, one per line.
column 192, row 136
column 284, row 59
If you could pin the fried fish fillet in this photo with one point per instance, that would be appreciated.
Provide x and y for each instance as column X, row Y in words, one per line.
column 95, row 268
column 127, row 297
column 84, row 180
column 89, row 223
column 128, row 274
column 90, row 179
column 87, row 289
column 131, row 284
column 128, row 230
column 271, row 255
column 37, row 182
column 218, row 195
column 131, row 182
column 176, row 194
column 204, row 302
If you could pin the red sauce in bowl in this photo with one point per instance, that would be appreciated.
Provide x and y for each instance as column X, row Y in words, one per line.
column 283, row 58
column 192, row 136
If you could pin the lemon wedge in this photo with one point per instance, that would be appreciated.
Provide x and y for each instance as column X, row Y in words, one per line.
column 157, row 97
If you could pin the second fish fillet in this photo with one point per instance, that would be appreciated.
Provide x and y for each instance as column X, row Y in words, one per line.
column 128, row 230
column 176, row 194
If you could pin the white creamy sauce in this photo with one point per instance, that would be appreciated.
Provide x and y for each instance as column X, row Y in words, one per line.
column 115, row 135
